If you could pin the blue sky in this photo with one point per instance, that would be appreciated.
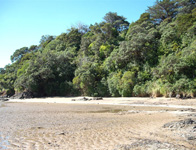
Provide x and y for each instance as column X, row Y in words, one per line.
column 23, row 22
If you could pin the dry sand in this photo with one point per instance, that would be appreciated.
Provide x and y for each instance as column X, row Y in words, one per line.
column 108, row 124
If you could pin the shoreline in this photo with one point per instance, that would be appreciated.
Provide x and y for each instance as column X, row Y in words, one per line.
column 123, row 101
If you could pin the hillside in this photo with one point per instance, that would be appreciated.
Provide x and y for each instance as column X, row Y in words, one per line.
column 154, row 56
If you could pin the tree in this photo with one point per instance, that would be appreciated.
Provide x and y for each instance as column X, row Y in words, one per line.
column 114, row 81
column 19, row 53
column 45, row 39
column 144, row 17
column 82, row 28
column 186, row 6
column 48, row 75
column 71, row 39
column 2, row 70
column 128, row 82
column 89, row 79
column 118, row 22
column 156, row 55
column 162, row 9
column 185, row 21
column 141, row 45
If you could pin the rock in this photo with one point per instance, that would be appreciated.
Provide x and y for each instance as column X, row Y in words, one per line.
column 84, row 98
column 4, row 99
column 62, row 133
column 189, row 121
column 149, row 144
column 192, row 115
column 191, row 138
column 22, row 95
column 81, row 99
column 97, row 98
column 180, row 124
column 177, row 96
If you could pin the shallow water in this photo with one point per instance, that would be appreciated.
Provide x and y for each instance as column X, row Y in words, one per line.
column 4, row 142
column 153, row 105
column 2, row 104
column 107, row 111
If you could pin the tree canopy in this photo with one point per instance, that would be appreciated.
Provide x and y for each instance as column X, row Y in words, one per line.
column 153, row 56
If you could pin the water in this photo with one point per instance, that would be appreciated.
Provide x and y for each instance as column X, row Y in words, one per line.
column 4, row 142
column 2, row 104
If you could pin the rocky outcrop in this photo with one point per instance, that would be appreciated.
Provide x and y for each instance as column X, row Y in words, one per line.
column 88, row 99
column 186, row 128
column 180, row 124
column 22, row 95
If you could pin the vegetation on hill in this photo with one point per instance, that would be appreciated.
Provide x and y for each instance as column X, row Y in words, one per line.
column 154, row 56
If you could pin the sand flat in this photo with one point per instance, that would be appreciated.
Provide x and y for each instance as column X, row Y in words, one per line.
column 59, row 123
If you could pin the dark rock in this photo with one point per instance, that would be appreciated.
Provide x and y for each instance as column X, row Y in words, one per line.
column 4, row 99
column 84, row 98
column 81, row 99
column 22, row 95
column 180, row 124
column 189, row 121
column 191, row 138
column 97, row 98
column 149, row 144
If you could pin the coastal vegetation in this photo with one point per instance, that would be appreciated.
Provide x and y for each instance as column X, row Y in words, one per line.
column 153, row 56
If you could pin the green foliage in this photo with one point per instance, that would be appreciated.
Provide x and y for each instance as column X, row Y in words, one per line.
column 7, row 79
column 48, row 74
column 185, row 21
column 154, row 56
column 114, row 83
column 19, row 53
column 162, row 10
column 185, row 6
column 127, row 83
column 22, row 70
column 121, row 84
column 89, row 79
column 45, row 39
column 118, row 22
column 105, row 50
column 144, row 17
column 140, row 90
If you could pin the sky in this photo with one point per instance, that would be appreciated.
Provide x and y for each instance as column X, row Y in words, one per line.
column 23, row 22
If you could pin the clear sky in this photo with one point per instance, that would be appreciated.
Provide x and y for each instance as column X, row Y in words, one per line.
column 23, row 22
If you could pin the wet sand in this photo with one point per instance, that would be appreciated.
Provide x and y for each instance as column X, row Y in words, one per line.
column 93, row 126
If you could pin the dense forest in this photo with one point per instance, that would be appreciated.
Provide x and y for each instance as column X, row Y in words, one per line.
column 153, row 56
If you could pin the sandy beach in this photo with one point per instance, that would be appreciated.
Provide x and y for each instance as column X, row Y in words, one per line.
column 108, row 124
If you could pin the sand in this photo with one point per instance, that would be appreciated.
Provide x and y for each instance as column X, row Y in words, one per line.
column 108, row 124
